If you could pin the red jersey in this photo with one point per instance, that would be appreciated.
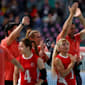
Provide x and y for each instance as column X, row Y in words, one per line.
column 68, row 79
column 13, row 49
column 74, row 44
column 29, row 76
column 4, row 56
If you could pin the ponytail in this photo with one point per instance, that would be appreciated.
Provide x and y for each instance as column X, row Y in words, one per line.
column 36, row 49
column 55, row 53
column 28, row 33
column 31, row 33
column 28, row 42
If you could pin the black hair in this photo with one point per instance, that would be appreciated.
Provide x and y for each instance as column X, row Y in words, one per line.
column 8, row 27
column 43, row 74
column 28, row 42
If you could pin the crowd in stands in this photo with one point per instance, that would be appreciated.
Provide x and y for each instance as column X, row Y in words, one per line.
column 44, row 17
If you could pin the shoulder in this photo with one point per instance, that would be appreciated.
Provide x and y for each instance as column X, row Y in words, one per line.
column 77, row 34
column 1, row 49
column 57, row 62
column 77, row 37
column 57, row 59
column 4, row 42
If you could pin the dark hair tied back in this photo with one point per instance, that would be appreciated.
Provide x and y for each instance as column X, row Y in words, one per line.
column 28, row 42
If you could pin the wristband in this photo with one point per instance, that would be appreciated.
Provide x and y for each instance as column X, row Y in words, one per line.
column 22, row 24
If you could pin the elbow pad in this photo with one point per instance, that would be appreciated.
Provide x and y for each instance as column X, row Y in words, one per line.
column 43, row 74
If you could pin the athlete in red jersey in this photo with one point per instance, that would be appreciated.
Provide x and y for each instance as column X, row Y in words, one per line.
column 68, row 32
column 6, row 56
column 11, row 44
column 30, row 61
column 63, row 64
column 35, row 35
column 70, row 78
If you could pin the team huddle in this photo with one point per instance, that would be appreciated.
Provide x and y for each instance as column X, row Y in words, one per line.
column 20, row 60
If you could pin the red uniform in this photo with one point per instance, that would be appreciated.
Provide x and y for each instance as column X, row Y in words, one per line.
column 13, row 49
column 68, row 79
column 29, row 76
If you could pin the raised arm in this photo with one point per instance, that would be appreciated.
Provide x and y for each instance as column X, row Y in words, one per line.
column 82, row 34
column 16, row 32
column 16, row 63
column 68, row 22
column 82, row 20
column 80, row 16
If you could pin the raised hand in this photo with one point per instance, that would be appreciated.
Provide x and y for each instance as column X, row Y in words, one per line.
column 26, row 20
column 73, row 8
column 42, row 48
column 78, row 13
column 42, row 45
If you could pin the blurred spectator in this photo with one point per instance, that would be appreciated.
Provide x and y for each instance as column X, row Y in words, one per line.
column 14, row 7
column 22, row 5
column 45, row 9
column 60, row 12
column 40, row 4
column 17, row 19
column 5, row 21
column 1, row 16
column 43, row 17
column 30, row 3
column 52, row 3
column 33, row 11
column 37, row 22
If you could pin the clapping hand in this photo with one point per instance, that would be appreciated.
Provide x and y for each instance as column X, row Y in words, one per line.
column 78, row 13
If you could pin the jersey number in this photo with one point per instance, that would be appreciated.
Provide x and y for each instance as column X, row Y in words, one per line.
column 27, row 76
